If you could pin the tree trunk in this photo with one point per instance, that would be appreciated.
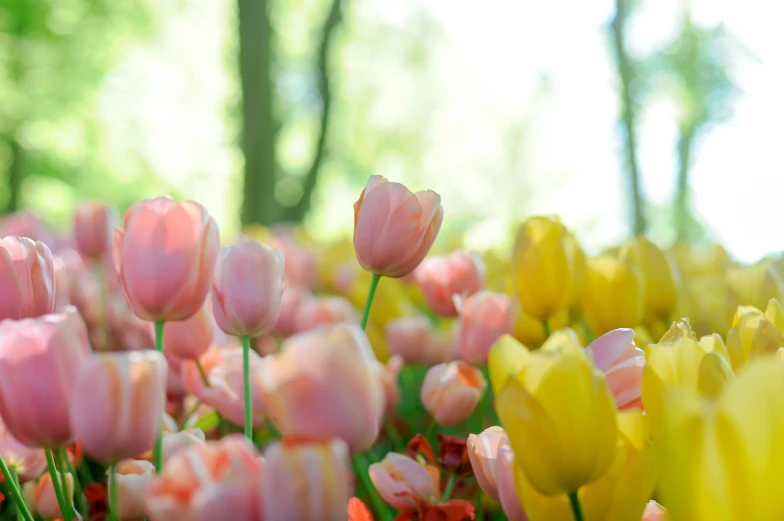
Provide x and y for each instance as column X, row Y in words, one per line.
column 258, row 122
column 15, row 175
column 683, row 216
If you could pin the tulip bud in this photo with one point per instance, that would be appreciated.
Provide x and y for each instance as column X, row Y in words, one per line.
column 290, row 302
column 451, row 391
column 483, row 452
column 752, row 335
column 484, row 318
column 654, row 512
column 190, row 338
column 116, row 406
column 324, row 311
column 394, row 228
column 444, row 277
column 755, row 285
column 295, row 476
column 166, row 258
column 400, row 480
column 132, row 477
column 659, row 276
column 39, row 359
column 27, row 281
column 612, row 295
column 176, row 442
column 93, row 229
column 415, row 339
column 615, row 355
column 29, row 462
column 41, row 498
column 325, row 383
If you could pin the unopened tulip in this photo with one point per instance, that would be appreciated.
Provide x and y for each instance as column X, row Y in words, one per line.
column 484, row 318
column 394, row 228
column 556, row 401
column 247, row 289
column 226, row 391
column 166, row 258
column 295, row 477
column 116, row 406
column 444, row 277
column 622, row 362
column 132, row 478
column 27, row 282
column 654, row 512
column 29, row 462
column 41, row 498
column 290, row 302
column 401, row 480
column 505, row 483
column 176, row 442
column 612, row 294
column 323, row 311
column 752, row 335
column 542, row 267
column 220, row 480
column 659, row 277
column 483, row 452
column 94, row 229
column 415, row 339
column 325, row 383
column 39, row 360
column 190, row 338
column 451, row 391
column 755, row 285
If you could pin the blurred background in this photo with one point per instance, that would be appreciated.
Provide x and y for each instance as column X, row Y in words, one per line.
column 624, row 116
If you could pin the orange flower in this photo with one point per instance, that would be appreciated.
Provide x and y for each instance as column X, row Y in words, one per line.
column 358, row 511
column 454, row 510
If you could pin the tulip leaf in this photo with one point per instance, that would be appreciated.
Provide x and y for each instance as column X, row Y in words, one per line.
column 207, row 422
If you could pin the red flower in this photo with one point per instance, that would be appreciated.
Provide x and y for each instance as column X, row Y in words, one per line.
column 454, row 510
column 358, row 511
column 452, row 453
column 98, row 498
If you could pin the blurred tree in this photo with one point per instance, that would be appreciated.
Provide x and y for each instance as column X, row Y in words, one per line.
column 53, row 56
column 271, row 194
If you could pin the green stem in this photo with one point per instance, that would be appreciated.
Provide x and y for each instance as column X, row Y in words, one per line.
column 113, row 494
column 104, row 303
column 394, row 436
column 203, row 373
column 369, row 302
column 157, row 454
column 480, row 506
column 66, row 465
column 65, row 508
column 190, row 413
column 15, row 480
column 361, row 469
column 576, row 509
column 450, row 486
column 246, row 380
column 431, row 429
column 16, row 494
column 546, row 326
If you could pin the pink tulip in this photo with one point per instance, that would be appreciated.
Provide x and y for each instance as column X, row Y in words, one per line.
column 220, row 480
column 93, row 229
column 444, row 277
column 39, row 359
column 190, row 338
column 27, row 281
column 451, row 391
column 654, row 512
column 41, row 498
column 483, row 453
column 306, row 481
column 166, row 258
column 325, row 383
column 27, row 224
column 505, row 483
column 290, row 302
column 622, row 362
column 389, row 376
column 132, row 479
column 400, row 479
column 415, row 340
column 116, row 405
column 394, row 228
column 29, row 462
column 247, row 289
column 176, row 442
column 484, row 318
column 324, row 311
column 226, row 391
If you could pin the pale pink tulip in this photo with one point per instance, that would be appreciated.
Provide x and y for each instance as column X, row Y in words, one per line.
column 29, row 462
column 190, row 338
column 176, row 442
column 505, row 483
column 394, row 228
column 654, row 512
column 399, row 479
column 316, row 312
column 306, row 481
column 290, row 302
column 483, row 453
column 247, row 289
column 484, row 318
column 622, row 362
column 93, row 229
column 325, row 383
column 442, row 278
column 451, row 391
column 416, row 340
column 132, row 479
column 39, row 359
column 41, row 498
column 27, row 282
column 226, row 391
column 219, row 480
column 27, row 224
column 166, row 257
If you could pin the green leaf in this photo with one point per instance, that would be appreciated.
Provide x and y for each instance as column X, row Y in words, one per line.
column 206, row 422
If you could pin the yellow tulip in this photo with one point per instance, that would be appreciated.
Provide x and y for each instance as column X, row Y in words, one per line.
column 557, row 410
column 660, row 279
column 723, row 460
column 529, row 330
column 775, row 314
column 755, row 285
column 578, row 264
column 642, row 337
column 391, row 300
column 620, row 495
column 679, row 328
column 542, row 267
column 612, row 294
column 752, row 335
column 497, row 273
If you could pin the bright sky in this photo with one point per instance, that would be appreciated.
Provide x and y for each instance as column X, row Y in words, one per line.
column 523, row 116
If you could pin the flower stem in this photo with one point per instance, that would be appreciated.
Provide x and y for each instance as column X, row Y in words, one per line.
column 67, row 466
column 369, row 302
column 13, row 485
column 246, row 380
column 394, row 436
column 203, row 373
column 450, row 486
column 361, row 470
column 546, row 326
column 576, row 509
column 65, row 508
column 113, row 493
column 157, row 454
column 480, row 505
column 190, row 413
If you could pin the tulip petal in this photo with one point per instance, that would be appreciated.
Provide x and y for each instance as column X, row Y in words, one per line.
column 506, row 359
